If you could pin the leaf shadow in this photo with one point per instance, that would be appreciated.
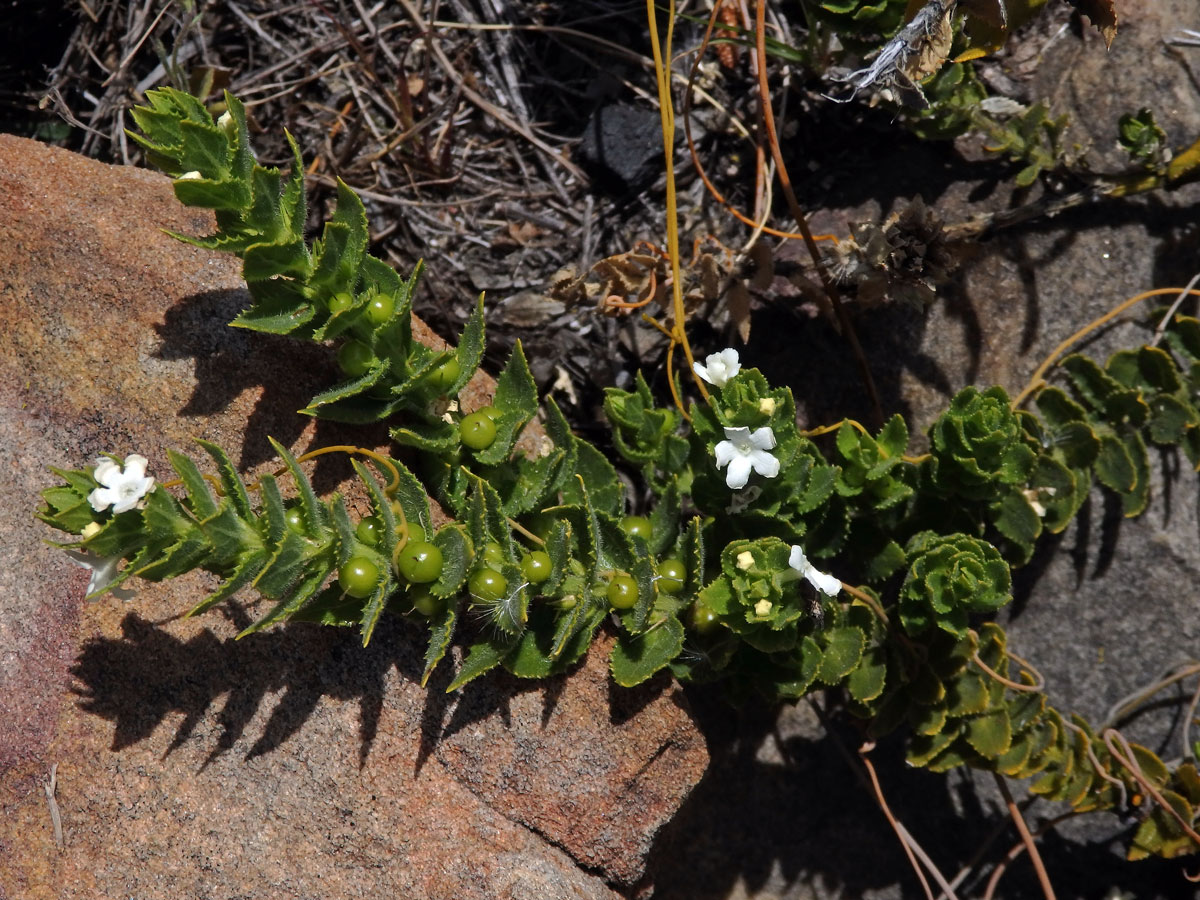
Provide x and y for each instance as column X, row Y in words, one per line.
column 138, row 680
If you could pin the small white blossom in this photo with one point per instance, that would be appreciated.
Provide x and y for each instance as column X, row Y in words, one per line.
column 824, row 583
column 103, row 569
column 120, row 488
column 763, row 608
column 718, row 368
column 744, row 451
column 745, row 560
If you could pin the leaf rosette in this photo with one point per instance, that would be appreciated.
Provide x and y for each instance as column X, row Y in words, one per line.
column 978, row 445
column 950, row 577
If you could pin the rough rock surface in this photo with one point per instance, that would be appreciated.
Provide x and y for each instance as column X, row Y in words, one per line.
column 1102, row 611
column 293, row 763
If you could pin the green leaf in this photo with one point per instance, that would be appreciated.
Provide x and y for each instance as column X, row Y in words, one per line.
column 482, row 657
column 456, row 561
column 1114, row 468
column 843, row 652
column 516, row 399
column 338, row 255
column 636, row 657
column 441, row 629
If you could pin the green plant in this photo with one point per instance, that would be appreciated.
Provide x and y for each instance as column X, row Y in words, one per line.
column 725, row 560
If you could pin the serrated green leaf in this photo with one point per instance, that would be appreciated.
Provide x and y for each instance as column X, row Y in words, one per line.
column 842, row 653
column 481, row 657
column 1114, row 468
column 438, row 438
column 867, row 681
column 456, row 561
column 441, row 630
column 516, row 399
column 635, row 658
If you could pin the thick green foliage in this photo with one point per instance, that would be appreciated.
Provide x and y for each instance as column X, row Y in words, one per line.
column 933, row 536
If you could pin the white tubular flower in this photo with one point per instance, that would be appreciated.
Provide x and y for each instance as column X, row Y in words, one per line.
column 718, row 368
column 103, row 569
column 744, row 451
column 824, row 583
column 121, row 489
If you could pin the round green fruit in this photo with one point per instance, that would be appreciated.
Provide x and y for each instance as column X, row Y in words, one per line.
column 359, row 577
column 380, row 308
column 486, row 585
column 703, row 619
column 295, row 519
column 369, row 530
column 445, row 375
column 535, row 568
column 622, row 592
column 355, row 358
column 424, row 602
column 340, row 302
column 477, row 430
column 671, row 576
column 420, row 562
column 636, row 526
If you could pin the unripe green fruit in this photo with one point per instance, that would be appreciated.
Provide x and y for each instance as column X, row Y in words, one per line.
column 340, row 302
column 445, row 375
column 622, row 592
column 535, row 567
column 703, row 619
column 294, row 519
column 477, row 430
column 355, row 358
column 636, row 526
column 487, row 585
column 424, row 602
column 359, row 577
column 369, row 530
column 420, row 562
column 380, row 309
column 493, row 555
column 671, row 576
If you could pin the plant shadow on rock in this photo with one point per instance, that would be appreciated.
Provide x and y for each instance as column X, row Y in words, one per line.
column 229, row 361
column 799, row 823
column 138, row 680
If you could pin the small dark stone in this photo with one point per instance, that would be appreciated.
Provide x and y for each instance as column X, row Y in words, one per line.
column 622, row 147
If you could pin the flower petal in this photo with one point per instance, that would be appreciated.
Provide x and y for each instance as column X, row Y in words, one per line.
column 738, row 473
column 763, row 438
column 725, row 451
column 764, row 463
column 702, row 372
column 826, row 584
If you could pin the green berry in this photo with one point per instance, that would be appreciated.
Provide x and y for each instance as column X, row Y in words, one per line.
column 636, row 526
column 369, row 530
column 490, row 411
column 295, row 519
column 535, row 568
column 493, row 555
column 420, row 562
column 380, row 309
column 622, row 592
column 359, row 577
column 671, row 576
column 444, row 376
column 355, row 358
column 477, row 430
column 424, row 601
column 703, row 619
column 487, row 585
column 340, row 302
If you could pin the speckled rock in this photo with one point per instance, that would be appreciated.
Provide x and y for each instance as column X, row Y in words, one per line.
column 292, row 763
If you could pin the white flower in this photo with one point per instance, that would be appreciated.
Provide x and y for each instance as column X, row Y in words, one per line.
column 824, row 583
column 745, row 560
column 718, row 368
column 103, row 569
column 190, row 176
column 743, row 451
column 763, row 608
column 120, row 489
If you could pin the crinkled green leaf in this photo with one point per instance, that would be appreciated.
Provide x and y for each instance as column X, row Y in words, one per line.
column 635, row 658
